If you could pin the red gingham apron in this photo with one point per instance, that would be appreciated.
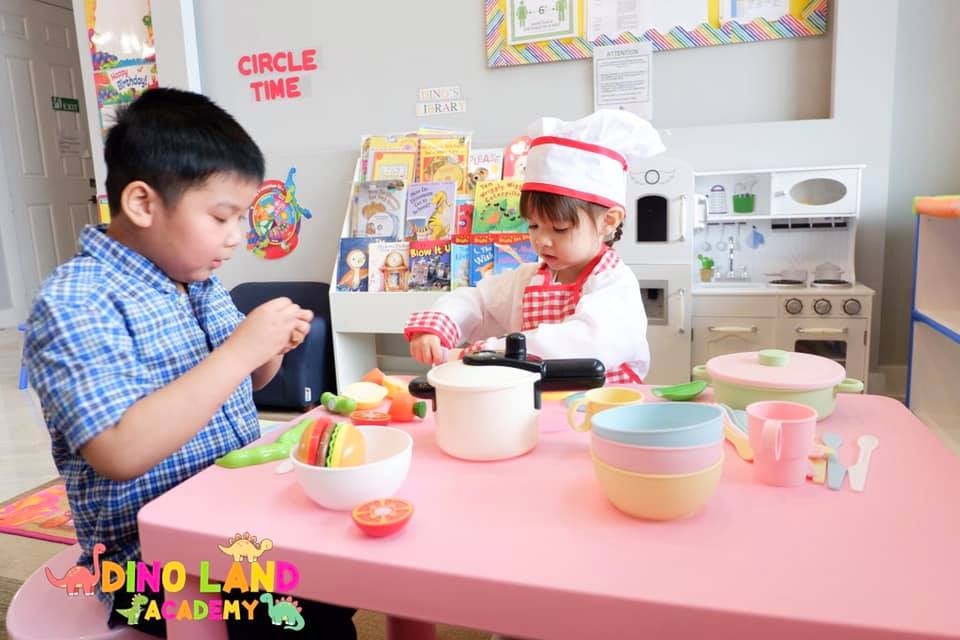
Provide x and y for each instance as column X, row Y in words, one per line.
column 545, row 302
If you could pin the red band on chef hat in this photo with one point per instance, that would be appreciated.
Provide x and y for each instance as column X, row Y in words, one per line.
column 588, row 158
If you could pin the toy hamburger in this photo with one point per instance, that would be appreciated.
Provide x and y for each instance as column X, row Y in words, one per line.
column 331, row 444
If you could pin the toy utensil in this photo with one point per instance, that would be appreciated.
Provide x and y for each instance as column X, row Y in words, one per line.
column 681, row 392
column 835, row 470
column 735, row 432
column 858, row 472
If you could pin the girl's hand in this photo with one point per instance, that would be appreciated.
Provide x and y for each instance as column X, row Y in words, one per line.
column 425, row 348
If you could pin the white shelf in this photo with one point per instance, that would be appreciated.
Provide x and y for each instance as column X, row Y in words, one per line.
column 935, row 329
column 378, row 312
column 948, row 319
column 733, row 218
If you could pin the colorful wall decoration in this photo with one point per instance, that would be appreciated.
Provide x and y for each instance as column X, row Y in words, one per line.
column 721, row 24
column 120, row 38
column 275, row 218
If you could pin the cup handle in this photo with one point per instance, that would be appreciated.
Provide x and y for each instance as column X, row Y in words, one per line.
column 572, row 415
column 773, row 437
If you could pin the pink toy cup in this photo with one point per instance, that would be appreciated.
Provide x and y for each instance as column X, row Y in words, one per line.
column 782, row 436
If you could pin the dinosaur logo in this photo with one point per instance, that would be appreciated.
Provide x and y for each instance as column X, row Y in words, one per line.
column 245, row 545
column 275, row 217
column 79, row 578
column 132, row 614
column 285, row 611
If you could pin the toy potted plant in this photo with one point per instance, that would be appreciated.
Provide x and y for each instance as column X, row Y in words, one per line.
column 706, row 268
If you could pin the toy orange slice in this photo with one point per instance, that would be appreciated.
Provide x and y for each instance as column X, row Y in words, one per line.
column 382, row 517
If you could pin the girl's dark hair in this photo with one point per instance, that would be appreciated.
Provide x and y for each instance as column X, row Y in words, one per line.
column 174, row 140
column 562, row 210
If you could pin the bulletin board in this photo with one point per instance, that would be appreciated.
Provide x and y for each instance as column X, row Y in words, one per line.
column 696, row 23
column 121, row 43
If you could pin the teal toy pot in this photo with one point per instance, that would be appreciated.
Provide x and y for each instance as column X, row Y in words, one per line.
column 739, row 379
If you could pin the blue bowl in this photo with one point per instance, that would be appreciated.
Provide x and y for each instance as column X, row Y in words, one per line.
column 661, row 424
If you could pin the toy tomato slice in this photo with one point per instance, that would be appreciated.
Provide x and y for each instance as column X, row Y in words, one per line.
column 382, row 517
column 369, row 416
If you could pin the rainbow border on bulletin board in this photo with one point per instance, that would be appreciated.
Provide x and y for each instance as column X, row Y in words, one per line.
column 812, row 21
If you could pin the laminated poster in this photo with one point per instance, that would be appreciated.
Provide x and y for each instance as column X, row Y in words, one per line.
column 275, row 218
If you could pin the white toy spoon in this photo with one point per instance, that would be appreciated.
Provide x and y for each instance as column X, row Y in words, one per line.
column 858, row 472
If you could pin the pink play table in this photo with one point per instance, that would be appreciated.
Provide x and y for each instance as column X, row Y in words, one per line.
column 531, row 547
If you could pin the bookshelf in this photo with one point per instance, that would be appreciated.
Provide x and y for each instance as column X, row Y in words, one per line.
column 934, row 358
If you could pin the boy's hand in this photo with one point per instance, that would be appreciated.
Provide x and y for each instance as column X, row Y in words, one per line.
column 268, row 331
column 300, row 331
column 425, row 348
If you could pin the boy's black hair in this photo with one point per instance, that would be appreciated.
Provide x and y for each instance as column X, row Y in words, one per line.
column 174, row 140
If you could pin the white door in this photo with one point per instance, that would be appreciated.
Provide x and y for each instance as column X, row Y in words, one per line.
column 45, row 198
column 718, row 336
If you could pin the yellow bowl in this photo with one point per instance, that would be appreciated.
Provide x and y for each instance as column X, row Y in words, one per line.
column 658, row 497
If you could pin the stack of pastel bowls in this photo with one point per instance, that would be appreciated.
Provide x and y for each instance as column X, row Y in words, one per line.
column 658, row 461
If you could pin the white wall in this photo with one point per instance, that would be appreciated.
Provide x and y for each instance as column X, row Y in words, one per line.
column 925, row 148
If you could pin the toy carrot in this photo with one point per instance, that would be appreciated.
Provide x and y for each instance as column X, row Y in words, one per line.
column 405, row 407
column 374, row 375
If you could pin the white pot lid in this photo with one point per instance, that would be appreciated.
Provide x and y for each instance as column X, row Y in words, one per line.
column 776, row 369
column 465, row 377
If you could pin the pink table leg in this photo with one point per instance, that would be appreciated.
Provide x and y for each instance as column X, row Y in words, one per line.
column 404, row 629
column 194, row 629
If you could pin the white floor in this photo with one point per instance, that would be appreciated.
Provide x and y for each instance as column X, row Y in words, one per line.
column 25, row 460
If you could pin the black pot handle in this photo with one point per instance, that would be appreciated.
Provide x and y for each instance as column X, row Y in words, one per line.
column 420, row 388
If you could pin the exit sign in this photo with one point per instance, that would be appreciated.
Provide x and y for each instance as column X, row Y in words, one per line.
column 65, row 104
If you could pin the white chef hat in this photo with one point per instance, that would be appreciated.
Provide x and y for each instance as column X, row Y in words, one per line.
column 589, row 158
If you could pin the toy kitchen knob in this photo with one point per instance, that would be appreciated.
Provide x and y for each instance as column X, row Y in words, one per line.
column 851, row 307
column 822, row 306
column 793, row 306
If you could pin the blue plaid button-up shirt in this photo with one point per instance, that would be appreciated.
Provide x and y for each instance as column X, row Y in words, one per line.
column 107, row 329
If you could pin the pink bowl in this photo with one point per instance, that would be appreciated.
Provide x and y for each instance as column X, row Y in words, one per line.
column 656, row 460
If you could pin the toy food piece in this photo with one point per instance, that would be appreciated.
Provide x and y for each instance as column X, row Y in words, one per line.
column 394, row 386
column 382, row 517
column 374, row 375
column 276, row 450
column 405, row 407
column 367, row 395
column 370, row 416
column 338, row 404
column 296, row 337
column 332, row 445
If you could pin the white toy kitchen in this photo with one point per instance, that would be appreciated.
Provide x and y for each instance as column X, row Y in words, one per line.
column 773, row 265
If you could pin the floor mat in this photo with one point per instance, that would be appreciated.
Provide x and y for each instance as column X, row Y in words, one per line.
column 41, row 513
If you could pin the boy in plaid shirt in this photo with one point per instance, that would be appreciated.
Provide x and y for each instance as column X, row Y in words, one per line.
column 143, row 365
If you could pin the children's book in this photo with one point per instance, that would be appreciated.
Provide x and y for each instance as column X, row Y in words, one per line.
column 444, row 158
column 404, row 142
column 378, row 209
column 510, row 250
column 430, row 211
column 515, row 158
column 484, row 164
column 389, row 266
column 460, row 261
column 481, row 258
column 430, row 265
column 392, row 165
column 496, row 207
column 463, row 223
column 352, row 264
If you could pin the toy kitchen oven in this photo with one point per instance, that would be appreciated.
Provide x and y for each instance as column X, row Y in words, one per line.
column 657, row 244
column 783, row 245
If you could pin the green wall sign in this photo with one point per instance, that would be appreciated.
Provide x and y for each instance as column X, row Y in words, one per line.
column 65, row 104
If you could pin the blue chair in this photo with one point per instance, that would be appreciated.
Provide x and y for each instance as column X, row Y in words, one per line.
column 24, row 383
column 308, row 370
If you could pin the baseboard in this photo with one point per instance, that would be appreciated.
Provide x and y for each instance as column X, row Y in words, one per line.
column 889, row 380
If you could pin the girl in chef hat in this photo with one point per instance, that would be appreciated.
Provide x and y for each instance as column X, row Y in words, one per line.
column 579, row 300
